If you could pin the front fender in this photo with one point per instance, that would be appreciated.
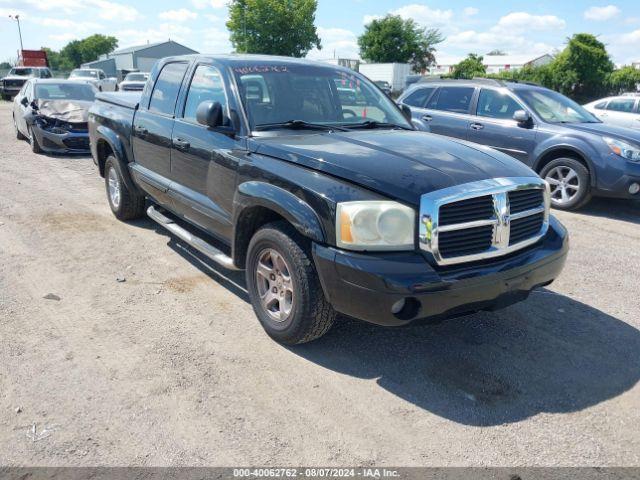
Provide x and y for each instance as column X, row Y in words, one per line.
column 284, row 203
column 577, row 147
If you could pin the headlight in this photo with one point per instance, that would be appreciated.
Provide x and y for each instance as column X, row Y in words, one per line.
column 623, row 149
column 375, row 225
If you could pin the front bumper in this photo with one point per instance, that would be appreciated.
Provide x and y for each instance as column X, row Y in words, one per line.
column 615, row 178
column 9, row 91
column 71, row 142
column 365, row 286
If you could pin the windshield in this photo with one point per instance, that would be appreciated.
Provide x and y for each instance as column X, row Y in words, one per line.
column 554, row 107
column 65, row 91
column 84, row 73
column 278, row 93
column 21, row 72
column 136, row 77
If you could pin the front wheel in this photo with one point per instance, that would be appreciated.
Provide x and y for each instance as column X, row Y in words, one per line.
column 284, row 287
column 35, row 146
column 125, row 204
column 570, row 183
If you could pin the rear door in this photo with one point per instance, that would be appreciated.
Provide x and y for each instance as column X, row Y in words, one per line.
column 495, row 127
column 448, row 111
column 202, row 167
column 153, row 125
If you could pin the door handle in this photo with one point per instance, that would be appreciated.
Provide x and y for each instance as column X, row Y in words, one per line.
column 427, row 118
column 476, row 126
column 140, row 130
column 180, row 144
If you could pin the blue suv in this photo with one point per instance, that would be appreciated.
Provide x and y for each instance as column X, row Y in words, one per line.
column 577, row 154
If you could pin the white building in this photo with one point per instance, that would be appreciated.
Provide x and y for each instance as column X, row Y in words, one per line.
column 636, row 64
column 493, row 63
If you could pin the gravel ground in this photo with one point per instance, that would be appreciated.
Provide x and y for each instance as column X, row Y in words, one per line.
column 170, row 366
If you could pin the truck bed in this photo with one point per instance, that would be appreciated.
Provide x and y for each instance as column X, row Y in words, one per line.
column 121, row 99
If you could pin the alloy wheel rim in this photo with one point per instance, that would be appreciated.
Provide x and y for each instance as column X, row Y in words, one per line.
column 564, row 182
column 275, row 285
column 114, row 188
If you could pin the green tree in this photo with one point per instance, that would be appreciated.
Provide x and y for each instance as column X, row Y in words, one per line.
column 470, row 67
column 275, row 27
column 393, row 39
column 5, row 66
column 582, row 69
column 626, row 79
column 77, row 52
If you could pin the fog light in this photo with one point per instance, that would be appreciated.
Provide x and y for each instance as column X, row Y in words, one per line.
column 634, row 188
column 398, row 306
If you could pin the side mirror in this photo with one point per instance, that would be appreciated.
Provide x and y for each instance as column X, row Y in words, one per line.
column 24, row 101
column 522, row 116
column 406, row 111
column 209, row 114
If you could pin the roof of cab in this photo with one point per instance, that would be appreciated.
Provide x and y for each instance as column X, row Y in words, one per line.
column 238, row 59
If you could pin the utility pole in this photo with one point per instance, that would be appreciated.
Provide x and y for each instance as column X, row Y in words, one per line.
column 17, row 19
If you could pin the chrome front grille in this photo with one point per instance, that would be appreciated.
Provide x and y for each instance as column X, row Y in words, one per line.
column 483, row 219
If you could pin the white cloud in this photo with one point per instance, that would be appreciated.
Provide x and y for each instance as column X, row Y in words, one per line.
column 523, row 22
column 425, row 15
column 601, row 14
column 470, row 11
column 180, row 15
column 113, row 11
column 202, row 4
column 5, row 12
column 342, row 42
column 63, row 38
column 65, row 23
column 367, row 19
column 162, row 32
column 66, row 6
column 216, row 40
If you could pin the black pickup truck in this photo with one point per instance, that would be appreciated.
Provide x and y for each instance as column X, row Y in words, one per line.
column 313, row 181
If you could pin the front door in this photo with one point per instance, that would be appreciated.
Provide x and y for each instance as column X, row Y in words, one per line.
column 495, row 127
column 203, row 168
column 152, row 128
column 447, row 111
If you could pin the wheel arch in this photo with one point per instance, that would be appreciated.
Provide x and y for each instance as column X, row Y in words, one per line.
column 258, row 203
column 565, row 151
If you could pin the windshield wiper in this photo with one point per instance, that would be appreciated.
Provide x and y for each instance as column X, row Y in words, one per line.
column 299, row 125
column 376, row 124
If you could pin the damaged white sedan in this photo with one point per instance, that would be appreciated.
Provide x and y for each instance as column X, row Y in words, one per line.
column 52, row 115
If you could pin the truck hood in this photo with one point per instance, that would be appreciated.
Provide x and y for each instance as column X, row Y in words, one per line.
column 606, row 130
column 74, row 111
column 400, row 164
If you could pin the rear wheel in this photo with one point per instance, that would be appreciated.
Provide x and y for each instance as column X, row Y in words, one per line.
column 570, row 183
column 125, row 204
column 284, row 287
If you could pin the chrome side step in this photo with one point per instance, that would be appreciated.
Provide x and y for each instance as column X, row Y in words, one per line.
column 196, row 242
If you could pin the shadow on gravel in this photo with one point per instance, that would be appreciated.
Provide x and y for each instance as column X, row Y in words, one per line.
column 613, row 208
column 548, row 354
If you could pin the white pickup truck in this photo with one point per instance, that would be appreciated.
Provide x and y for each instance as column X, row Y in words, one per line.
column 97, row 77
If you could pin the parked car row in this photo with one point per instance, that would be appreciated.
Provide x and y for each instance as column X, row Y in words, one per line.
column 574, row 151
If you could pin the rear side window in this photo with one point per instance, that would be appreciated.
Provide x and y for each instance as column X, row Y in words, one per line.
column 601, row 105
column 419, row 97
column 206, row 86
column 165, row 91
column 494, row 104
column 622, row 105
column 452, row 99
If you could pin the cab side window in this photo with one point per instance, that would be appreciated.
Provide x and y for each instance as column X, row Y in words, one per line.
column 419, row 97
column 495, row 104
column 206, row 86
column 165, row 91
column 452, row 99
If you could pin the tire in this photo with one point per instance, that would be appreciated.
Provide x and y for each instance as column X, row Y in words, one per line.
column 19, row 134
column 35, row 146
column 126, row 205
column 310, row 315
column 573, row 177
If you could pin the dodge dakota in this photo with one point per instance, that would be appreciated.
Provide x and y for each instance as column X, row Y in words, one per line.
column 331, row 204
